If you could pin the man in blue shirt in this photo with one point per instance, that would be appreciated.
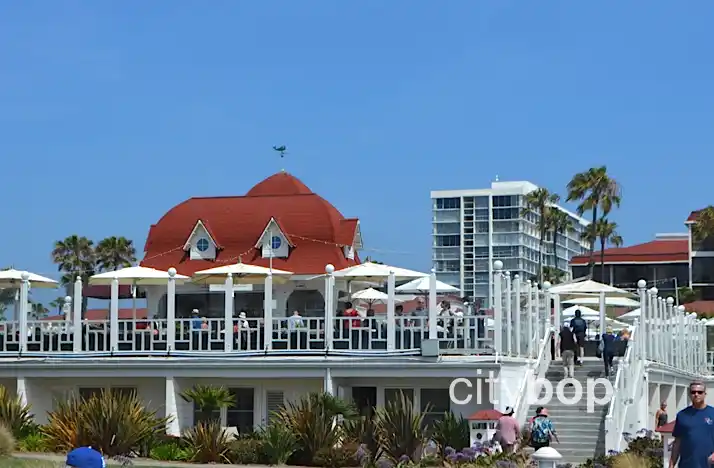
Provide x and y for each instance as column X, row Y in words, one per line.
column 694, row 432
column 85, row 457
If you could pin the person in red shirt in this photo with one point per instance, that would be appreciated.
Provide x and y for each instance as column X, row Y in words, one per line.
column 352, row 312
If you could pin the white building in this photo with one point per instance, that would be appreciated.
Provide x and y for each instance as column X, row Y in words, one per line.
column 473, row 228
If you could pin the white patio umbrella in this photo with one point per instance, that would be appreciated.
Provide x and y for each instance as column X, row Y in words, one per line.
column 587, row 287
column 371, row 296
column 369, row 271
column 587, row 312
column 609, row 301
column 11, row 279
column 136, row 276
column 243, row 273
column 421, row 286
column 631, row 315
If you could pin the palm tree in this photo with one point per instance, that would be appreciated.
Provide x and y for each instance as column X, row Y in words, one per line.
column 553, row 275
column 561, row 224
column 703, row 227
column 606, row 231
column 539, row 202
column 596, row 191
column 208, row 400
column 74, row 256
column 57, row 303
column 687, row 295
column 114, row 253
column 38, row 311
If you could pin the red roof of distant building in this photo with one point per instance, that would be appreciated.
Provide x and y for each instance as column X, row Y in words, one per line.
column 103, row 314
column 692, row 217
column 486, row 415
column 701, row 307
column 656, row 251
column 315, row 227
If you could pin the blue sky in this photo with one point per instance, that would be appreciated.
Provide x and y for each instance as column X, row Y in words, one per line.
column 113, row 112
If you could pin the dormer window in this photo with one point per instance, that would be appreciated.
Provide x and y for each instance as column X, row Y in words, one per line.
column 201, row 245
column 274, row 242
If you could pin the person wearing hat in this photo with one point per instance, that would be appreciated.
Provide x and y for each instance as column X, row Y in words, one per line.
column 85, row 457
column 542, row 431
column 507, row 430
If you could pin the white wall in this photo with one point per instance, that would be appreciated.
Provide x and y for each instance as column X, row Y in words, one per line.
column 42, row 393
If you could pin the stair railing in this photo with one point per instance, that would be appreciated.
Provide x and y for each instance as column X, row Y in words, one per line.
column 535, row 371
column 627, row 378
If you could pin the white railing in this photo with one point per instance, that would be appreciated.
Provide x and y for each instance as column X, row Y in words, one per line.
column 627, row 378
column 535, row 371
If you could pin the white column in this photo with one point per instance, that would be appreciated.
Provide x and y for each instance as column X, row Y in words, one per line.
column 703, row 347
column 666, row 455
column 114, row 316
column 497, row 307
column 642, row 330
column 558, row 319
column 21, row 390
column 391, row 329
column 529, row 314
column 547, row 311
column 77, row 316
column 329, row 308
column 547, row 457
column 688, row 333
column 508, row 316
column 24, row 310
column 669, row 335
column 662, row 329
column 652, row 304
column 517, row 313
column 171, row 311
column 173, row 426
column 268, row 310
column 603, row 315
column 535, row 313
column 228, row 314
column 329, row 384
column 681, row 341
column 433, row 306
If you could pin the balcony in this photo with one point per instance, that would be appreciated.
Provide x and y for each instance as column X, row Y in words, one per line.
column 465, row 335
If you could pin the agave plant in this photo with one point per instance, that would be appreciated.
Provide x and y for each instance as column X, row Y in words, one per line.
column 399, row 428
column 208, row 399
column 208, row 443
column 278, row 444
column 451, row 431
column 364, row 431
column 113, row 423
column 14, row 414
column 313, row 421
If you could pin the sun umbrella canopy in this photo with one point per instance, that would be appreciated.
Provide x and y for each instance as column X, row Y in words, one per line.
column 138, row 275
column 587, row 312
column 243, row 273
column 11, row 279
column 371, row 295
column 587, row 287
column 632, row 315
column 421, row 286
column 609, row 301
column 369, row 270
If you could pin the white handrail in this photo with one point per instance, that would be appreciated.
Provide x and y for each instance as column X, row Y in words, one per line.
column 626, row 379
column 533, row 371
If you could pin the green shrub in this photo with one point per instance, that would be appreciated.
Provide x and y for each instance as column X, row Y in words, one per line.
column 340, row 456
column 278, row 444
column 208, row 443
column 246, row 451
column 113, row 423
column 7, row 441
column 312, row 421
column 170, row 451
column 364, row 432
column 399, row 428
column 35, row 442
column 14, row 414
column 451, row 431
column 208, row 399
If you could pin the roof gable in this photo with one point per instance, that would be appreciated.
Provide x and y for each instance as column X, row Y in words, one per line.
column 273, row 227
column 656, row 251
column 198, row 226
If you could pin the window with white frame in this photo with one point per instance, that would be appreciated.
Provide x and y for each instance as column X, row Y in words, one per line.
column 434, row 403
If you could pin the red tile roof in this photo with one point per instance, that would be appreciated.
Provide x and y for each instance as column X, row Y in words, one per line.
column 486, row 415
column 701, row 307
column 667, row 428
column 103, row 314
column 656, row 251
column 692, row 217
column 316, row 228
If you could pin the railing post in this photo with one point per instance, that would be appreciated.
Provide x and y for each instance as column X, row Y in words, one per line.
column 652, row 303
column 670, row 329
column 114, row 316
column 497, row 307
column 517, row 313
column 228, row 315
column 391, row 328
column 171, row 310
column 529, row 315
column 662, row 329
column 24, row 306
column 432, row 306
column 642, row 329
column 547, row 311
column 681, row 342
column 329, row 310
column 557, row 318
column 268, row 309
column 509, row 315
column 77, row 316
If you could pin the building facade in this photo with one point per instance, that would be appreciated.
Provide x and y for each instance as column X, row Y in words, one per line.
column 473, row 228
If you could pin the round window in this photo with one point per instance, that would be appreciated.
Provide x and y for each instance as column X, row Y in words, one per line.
column 276, row 242
column 202, row 245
